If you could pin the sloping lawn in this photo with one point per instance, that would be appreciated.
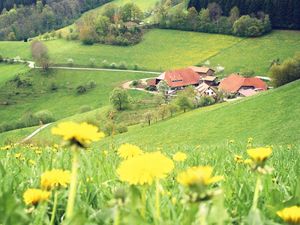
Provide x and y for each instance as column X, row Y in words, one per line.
column 65, row 101
column 270, row 118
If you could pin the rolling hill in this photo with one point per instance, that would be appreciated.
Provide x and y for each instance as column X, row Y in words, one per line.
column 57, row 89
column 270, row 118
column 169, row 49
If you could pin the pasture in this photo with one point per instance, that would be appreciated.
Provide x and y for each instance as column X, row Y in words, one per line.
column 101, row 197
column 169, row 49
column 56, row 91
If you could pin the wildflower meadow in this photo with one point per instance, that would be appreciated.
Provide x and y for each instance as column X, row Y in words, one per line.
column 77, row 182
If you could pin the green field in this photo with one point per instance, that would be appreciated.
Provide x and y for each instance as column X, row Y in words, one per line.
column 169, row 49
column 64, row 101
column 270, row 118
column 9, row 71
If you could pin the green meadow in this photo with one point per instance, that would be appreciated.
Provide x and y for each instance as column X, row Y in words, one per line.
column 262, row 117
column 7, row 72
column 169, row 49
column 64, row 101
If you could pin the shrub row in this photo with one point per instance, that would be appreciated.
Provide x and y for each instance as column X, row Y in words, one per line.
column 28, row 120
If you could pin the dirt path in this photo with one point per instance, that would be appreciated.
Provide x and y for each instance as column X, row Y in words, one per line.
column 34, row 133
column 128, row 83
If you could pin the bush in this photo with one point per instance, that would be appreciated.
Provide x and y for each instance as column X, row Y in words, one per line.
column 6, row 127
column 85, row 108
column 29, row 119
column 206, row 101
column 113, row 65
column 108, row 128
column 151, row 88
column 247, row 26
column 123, row 66
column 122, row 128
column 135, row 83
column 92, row 62
column 81, row 89
column 44, row 116
column 53, row 87
column 136, row 67
column 70, row 62
column 91, row 84
column 287, row 72
column 105, row 64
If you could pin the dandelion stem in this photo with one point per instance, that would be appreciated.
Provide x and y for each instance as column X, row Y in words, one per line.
column 256, row 192
column 203, row 211
column 143, row 210
column 73, row 184
column 54, row 208
column 117, row 216
column 157, row 200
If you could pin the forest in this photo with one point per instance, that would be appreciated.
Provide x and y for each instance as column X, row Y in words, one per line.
column 284, row 14
column 43, row 16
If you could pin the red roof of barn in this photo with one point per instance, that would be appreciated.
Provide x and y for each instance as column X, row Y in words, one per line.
column 235, row 82
column 151, row 82
column 181, row 77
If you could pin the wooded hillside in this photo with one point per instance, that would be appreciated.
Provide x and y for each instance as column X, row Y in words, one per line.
column 284, row 13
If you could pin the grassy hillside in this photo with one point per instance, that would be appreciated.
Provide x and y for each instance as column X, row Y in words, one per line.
column 9, row 71
column 256, row 54
column 270, row 118
column 65, row 101
column 166, row 49
column 142, row 4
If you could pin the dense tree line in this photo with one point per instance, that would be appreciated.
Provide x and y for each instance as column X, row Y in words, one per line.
column 22, row 22
column 283, row 13
column 116, row 26
column 9, row 4
column 286, row 72
column 212, row 20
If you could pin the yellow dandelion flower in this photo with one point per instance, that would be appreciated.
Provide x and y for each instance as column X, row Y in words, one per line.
column 250, row 140
column 201, row 175
column 105, row 153
column 174, row 200
column 80, row 134
column 55, row 178
column 179, row 157
column 238, row 158
column 248, row 161
column 7, row 147
column 259, row 155
column 145, row 168
column 127, row 151
column 18, row 155
column 38, row 152
column 34, row 196
column 32, row 162
column 290, row 215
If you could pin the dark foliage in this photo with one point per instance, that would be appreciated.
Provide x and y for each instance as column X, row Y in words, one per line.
column 283, row 13
column 22, row 19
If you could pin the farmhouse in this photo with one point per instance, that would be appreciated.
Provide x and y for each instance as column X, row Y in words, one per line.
column 244, row 86
column 203, row 71
column 205, row 89
column 178, row 79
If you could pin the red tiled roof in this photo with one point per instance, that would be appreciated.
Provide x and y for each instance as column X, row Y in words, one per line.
column 181, row 77
column 151, row 82
column 234, row 82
